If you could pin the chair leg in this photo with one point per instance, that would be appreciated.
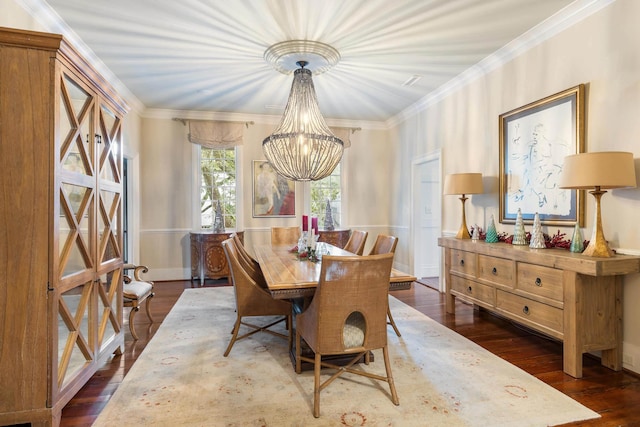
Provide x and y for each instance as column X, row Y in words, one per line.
column 316, row 387
column 236, row 328
column 298, row 353
column 132, row 327
column 148, row 308
column 387, row 366
column 391, row 322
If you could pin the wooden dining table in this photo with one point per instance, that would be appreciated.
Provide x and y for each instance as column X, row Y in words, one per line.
column 289, row 277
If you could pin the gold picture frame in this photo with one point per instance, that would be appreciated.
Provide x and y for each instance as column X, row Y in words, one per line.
column 534, row 140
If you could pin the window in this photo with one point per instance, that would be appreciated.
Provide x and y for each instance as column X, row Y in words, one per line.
column 328, row 188
column 218, row 183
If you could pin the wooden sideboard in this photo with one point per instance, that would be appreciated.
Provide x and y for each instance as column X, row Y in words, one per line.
column 208, row 260
column 337, row 238
column 571, row 297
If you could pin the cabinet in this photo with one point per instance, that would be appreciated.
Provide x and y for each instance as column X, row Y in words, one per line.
column 208, row 260
column 337, row 238
column 60, row 225
column 571, row 297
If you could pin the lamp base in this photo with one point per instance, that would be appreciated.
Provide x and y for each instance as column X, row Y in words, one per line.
column 463, row 233
column 598, row 246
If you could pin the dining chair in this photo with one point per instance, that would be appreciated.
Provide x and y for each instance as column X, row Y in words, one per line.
column 386, row 244
column 135, row 291
column 347, row 316
column 248, row 262
column 356, row 242
column 285, row 235
column 252, row 300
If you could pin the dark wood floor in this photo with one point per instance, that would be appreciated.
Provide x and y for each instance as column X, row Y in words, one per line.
column 615, row 395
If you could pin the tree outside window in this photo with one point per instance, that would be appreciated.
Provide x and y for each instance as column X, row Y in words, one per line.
column 218, row 183
column 328, row 188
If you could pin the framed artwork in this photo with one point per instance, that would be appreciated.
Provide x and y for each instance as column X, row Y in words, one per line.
column 534, row 140
column 273, row 195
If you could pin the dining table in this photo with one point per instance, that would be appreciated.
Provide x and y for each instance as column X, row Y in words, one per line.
column 290, row 277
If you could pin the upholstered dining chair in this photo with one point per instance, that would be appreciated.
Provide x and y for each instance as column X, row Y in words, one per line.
column 347, row 316
column 252, row 300
column 135, row 291
column 285, row 235
column 386, row 244
column 248, row 262
column 356, row 242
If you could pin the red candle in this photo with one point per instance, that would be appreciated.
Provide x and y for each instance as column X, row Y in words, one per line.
column 314, row 225
column 305, row 223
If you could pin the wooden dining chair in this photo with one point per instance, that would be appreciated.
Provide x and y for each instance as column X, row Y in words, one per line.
column 285, row 235
column 386, row 244
column 347, row 316
column 252, row 300
column 356, row 242
column 248, row 262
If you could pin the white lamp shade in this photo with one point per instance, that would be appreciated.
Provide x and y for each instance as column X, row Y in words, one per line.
column 605, row 169
column 463, row 183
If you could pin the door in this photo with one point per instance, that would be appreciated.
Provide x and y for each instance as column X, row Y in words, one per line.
column 427, row 218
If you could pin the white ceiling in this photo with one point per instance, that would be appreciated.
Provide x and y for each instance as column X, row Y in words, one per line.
column 207, row 55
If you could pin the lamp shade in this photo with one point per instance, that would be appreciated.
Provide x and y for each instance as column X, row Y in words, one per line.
column 463, row 183
column 605, row 169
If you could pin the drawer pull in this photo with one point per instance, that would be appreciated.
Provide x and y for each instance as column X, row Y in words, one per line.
column 538, row 281
column 461, row 262
column 494, row 271
column 469, row 289
column 525, row 310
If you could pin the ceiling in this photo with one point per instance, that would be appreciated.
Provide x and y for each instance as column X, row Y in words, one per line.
column 207, row 55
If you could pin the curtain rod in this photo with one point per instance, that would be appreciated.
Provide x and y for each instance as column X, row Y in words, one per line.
column 184, row 121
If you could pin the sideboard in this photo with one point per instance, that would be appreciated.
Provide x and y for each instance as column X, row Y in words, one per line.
column 571, row 297
column 208, row 260
column 337, row 238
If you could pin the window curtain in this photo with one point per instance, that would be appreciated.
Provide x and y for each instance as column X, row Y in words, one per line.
column 344, row 134
column 216, row 134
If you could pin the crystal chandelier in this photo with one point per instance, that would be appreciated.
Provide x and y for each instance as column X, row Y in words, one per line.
column 303, row 148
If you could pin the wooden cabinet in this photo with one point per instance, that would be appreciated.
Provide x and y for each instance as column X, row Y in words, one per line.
column 60, row 225
column 337, row 238
column 208, row 260
column 571, row 297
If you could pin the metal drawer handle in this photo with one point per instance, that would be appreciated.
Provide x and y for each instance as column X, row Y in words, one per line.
column 461, row 262
column 469, row 289
column 494, row 271
column 538, row 281
column 525, row 310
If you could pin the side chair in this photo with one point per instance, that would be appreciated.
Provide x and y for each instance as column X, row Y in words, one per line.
column 386, row 244
column 347, row 316
column 248, row 262
column 252, row 300
column 356, row 242
column 285, row 235
column 135, row 291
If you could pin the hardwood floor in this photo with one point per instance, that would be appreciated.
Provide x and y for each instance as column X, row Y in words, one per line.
column 615, row 395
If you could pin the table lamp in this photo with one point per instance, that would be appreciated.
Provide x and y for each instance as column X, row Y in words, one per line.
column 598, row 171
column 463, row 183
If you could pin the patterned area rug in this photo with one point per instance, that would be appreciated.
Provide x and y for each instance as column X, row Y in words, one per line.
column 442, row 379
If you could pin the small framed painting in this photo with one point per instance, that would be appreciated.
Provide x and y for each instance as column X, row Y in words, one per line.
column 273, row 195
column 534, row 140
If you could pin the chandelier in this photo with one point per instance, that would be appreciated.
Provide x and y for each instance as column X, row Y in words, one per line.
column 303, row 148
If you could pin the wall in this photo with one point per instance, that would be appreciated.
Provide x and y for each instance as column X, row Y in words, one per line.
column 602, row 51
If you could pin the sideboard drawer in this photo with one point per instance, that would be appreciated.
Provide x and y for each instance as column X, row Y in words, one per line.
column 533, row 313
column 542, row 281
column 463, row 262
column 496, row 270
column 473, row 290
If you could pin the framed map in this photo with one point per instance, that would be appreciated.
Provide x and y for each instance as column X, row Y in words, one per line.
column 534, row 140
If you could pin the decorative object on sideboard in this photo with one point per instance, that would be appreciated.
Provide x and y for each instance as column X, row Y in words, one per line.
column 328, row 217
column 577, row 241
column 519, row 235
column 598, row 171
column 218, row 222
column 475, row 236
column 302, row 147
column 537, row 236
column 463, row 184
column 492, row 233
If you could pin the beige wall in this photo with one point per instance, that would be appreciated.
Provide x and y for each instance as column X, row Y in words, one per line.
column 602, row 51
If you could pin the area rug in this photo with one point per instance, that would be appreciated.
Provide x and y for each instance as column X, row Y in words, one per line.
column 442, row 379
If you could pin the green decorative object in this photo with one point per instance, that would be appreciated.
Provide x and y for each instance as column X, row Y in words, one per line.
column 577, row 241
column 519, row 235
column 492, row 233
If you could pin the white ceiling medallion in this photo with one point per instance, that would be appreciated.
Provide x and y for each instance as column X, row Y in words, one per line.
column 284, row 56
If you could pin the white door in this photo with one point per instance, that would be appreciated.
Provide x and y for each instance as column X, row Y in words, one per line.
column 426, row 214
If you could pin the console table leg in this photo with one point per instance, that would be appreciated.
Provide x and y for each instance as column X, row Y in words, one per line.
column 572, row 342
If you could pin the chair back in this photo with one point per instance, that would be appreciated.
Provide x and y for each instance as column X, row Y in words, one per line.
column 349, row 285
column 356, row 242
column 250, row 265
column 285, row 235
column 384, row 244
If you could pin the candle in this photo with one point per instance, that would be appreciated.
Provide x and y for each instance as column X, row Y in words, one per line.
column 314, row 225
column 305, row 223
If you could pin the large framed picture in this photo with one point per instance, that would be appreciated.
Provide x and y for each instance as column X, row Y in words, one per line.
column 534, row 140
column 273, row 195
